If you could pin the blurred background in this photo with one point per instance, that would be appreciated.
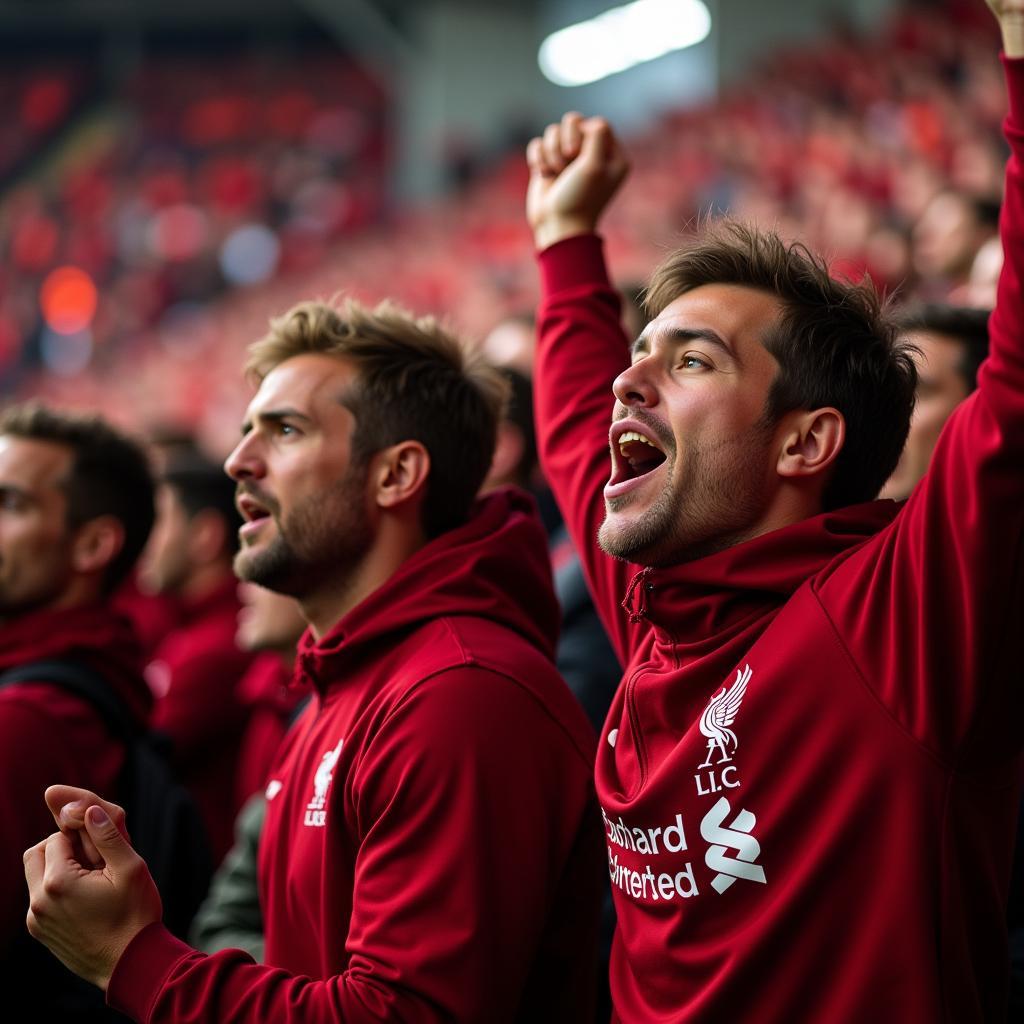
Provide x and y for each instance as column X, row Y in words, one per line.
column 173, row 172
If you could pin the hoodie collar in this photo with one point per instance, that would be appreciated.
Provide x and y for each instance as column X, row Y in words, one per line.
column 696, row 599
column 95, row 635
column 495, row 566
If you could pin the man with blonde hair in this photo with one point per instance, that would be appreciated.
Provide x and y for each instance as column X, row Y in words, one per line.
column 430, row 850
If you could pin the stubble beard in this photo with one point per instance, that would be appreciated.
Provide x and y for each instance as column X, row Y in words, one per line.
column 323, row 543
column 714, row 505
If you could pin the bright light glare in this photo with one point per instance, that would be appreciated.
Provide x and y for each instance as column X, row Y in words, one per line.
column 621, row 38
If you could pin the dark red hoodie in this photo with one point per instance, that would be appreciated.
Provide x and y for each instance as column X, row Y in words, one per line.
column 809, row 774
column 195, row 674
column 49, row 736
column 432, row 849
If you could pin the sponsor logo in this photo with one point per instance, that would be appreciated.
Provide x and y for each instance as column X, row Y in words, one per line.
column 735, row 837
column 316, row 813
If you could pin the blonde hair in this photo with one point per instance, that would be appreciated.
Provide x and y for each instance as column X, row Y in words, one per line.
column 415, row 381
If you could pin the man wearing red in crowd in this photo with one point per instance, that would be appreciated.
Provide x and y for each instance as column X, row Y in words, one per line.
column 809, row 774
column 76, row 507
column 431, row 849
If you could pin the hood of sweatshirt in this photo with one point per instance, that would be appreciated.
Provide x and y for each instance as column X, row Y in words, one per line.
column 494, row 567
column 95, row 636
column 692, row 601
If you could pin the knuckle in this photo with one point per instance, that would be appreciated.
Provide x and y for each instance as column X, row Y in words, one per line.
column 53, row 887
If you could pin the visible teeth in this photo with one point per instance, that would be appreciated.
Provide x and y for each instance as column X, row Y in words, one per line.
column 632, row 435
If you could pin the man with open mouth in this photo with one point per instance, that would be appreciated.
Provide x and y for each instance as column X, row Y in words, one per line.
column 430, row 850
column 809, row 774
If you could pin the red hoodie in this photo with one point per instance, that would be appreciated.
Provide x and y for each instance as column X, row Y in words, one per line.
column 432, row 848
column 47, row 735
column 809, row 775
column 271, row 702
column 194, row 674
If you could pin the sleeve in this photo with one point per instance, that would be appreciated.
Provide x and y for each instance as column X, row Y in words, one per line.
column 581, row 350
column 469, row 800
column 929, row 609
column 230, row 916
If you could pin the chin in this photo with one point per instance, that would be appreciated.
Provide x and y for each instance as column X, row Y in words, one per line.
column 623, row 540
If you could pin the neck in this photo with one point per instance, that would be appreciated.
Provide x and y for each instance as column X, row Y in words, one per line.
column 80, row 592
column 391, row 547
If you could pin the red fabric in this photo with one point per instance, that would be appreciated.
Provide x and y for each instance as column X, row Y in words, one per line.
column 451, row 868
column 152, row 615
column 874, row 777
column 49, row 736
column 194, row 675
column 270, row 702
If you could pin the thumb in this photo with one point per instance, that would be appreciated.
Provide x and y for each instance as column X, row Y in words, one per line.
column 110, row 842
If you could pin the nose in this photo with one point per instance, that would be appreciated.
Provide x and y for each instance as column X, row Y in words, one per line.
column 245, row 462
column 633, row 386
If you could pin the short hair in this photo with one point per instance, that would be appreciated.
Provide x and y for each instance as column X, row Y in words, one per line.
column 963, row 324
column 415, row 381
column 109, row 475
column 835, row 344
column 200, row 485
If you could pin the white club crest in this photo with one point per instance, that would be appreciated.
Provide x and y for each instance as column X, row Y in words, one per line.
column 322, row 778
column 720, row 714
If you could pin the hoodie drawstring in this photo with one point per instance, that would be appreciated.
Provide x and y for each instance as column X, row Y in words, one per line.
column 638, row 613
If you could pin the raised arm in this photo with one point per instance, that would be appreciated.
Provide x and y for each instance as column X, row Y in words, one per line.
column 930, row 610
column 575, row 169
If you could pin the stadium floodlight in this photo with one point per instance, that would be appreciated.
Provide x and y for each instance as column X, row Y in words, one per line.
column 621, row 38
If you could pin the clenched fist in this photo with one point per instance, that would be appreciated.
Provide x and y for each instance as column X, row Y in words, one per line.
column 575, row 169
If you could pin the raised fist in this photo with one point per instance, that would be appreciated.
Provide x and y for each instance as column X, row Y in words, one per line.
column 575, row 169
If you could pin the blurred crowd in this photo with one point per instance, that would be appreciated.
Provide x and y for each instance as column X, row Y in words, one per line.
column 220, row 195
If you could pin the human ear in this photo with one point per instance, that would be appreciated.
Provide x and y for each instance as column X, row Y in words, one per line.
column 811, row 442
column 400, row 474
column 97, row 543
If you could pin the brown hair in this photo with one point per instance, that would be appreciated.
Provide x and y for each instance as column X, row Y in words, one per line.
column 834, row 342
column 109, row 475
column 416, row 382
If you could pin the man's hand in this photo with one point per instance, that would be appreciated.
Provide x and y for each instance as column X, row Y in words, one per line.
column 68, row 805
column 575, row 169
column 88, row 916
column 1010, row 14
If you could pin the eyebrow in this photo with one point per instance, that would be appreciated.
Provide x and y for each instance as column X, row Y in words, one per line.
column 682, row 334
column 274, row 416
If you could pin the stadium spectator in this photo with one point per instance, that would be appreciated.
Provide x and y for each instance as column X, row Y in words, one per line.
column 196, row 669
column 231, row 918
column 430, row 850
column 950, row 342
column 947, row 237
column 820, row 692
column 76, row 506
column 268, row 624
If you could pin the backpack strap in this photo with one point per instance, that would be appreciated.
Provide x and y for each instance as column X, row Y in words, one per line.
column 83, row 682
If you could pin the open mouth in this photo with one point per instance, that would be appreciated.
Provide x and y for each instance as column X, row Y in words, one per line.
column 635, row 454
column 254, row 512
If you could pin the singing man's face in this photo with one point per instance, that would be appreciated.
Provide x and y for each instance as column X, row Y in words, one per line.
column 300, row 491
column 693, row 456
